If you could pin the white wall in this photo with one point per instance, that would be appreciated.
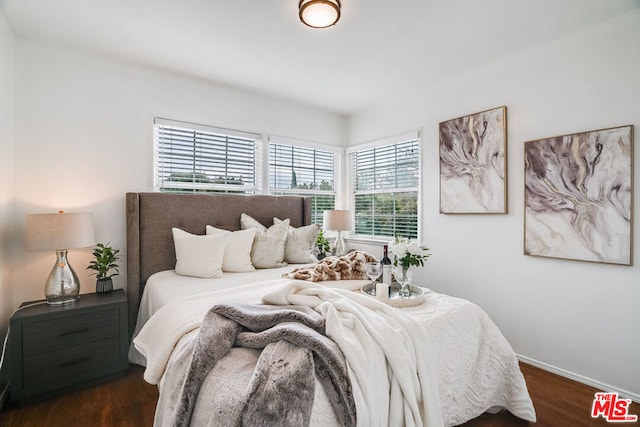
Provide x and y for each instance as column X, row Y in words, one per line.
column 83, row 137
column 6, row 180
column 6, row 167
column 579, row 317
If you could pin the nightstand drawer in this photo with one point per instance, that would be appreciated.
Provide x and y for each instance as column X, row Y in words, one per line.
column 70, row 363
column 50, row 335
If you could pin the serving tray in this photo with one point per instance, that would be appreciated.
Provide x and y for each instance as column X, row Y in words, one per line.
column 395, row 299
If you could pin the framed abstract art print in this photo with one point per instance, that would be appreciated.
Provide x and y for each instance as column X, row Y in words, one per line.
column 473, row 168
column 579, row 196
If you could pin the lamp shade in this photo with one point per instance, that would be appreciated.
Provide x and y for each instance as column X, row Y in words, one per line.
column 59, row 231
column 319, row 13
column 337, row 220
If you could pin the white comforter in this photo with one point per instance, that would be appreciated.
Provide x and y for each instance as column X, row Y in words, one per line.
column 464, row 365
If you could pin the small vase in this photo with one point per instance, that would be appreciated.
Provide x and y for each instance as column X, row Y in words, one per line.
column 404, row 276
column 104, row 286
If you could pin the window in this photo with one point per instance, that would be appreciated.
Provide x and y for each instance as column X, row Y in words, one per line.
column 196, row 158
column 303, row 171
column 385, row 188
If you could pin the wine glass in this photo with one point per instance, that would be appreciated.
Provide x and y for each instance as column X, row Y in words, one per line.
column 373, row 270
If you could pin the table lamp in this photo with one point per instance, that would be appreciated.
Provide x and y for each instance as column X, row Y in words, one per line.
column 338, row 220
column 60, row 232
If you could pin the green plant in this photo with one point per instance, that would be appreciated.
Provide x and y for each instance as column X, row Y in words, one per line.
column 106, row 259
column 322, row 243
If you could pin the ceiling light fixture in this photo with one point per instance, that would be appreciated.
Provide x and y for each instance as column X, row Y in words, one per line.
column 319, row 13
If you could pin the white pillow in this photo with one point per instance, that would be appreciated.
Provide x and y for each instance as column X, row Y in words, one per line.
column 300, row 243
column 198, row 256
column 237, row 253
column 269, row 243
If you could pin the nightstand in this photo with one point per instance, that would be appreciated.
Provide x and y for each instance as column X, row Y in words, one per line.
column 59, row 348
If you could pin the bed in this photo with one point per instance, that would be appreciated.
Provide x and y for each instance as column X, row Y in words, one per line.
column 464, row 364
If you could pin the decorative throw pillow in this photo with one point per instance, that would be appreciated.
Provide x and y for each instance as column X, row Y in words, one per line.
column 198, row 256
column 237, row 253
column 269, row 243
column 300, row 243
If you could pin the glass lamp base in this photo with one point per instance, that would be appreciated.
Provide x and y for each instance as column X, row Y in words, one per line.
column 339, row 247
column 63, row 286
column 63, row 300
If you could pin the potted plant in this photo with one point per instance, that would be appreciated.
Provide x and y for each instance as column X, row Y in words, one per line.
column 322, row 245
column 106, row 260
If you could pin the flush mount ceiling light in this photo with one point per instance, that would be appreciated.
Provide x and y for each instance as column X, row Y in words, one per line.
column 319, row 13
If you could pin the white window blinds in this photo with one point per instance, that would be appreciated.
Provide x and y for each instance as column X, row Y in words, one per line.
column 385, row 187
column 198, row 158
column 303, row 171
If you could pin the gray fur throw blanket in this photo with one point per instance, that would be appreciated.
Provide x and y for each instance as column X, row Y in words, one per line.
column 294, row 353
column 351, row 266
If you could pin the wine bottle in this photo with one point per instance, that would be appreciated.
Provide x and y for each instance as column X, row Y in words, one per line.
column 386, row 267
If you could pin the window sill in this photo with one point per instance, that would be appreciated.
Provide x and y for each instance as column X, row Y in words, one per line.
column 375, row 241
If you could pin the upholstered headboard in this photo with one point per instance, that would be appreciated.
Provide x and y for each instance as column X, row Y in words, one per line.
column 150, row 217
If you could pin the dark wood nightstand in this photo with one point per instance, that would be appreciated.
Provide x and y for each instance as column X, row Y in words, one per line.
column 60, row 348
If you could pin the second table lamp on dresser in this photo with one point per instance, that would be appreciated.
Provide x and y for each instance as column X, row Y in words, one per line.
column 338, row 220
column 59, row 232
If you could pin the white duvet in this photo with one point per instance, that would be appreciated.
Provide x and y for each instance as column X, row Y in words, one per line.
column 463, row 363
column 165, row 287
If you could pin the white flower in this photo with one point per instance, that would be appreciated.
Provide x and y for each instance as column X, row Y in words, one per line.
column 406, row 253
column 414, row 248
column 399, row 249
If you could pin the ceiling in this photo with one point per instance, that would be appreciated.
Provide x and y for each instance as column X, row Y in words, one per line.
column 377, row 48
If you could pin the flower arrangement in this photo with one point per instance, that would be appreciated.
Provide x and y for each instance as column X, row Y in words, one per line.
column 407, row 254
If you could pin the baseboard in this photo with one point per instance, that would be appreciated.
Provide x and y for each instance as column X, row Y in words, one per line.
column 580, row 378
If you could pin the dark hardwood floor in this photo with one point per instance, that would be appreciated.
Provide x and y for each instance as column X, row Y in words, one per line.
column 126, row 402
column 559, row 402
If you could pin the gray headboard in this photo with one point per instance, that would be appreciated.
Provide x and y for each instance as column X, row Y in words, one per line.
column 150, row 217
